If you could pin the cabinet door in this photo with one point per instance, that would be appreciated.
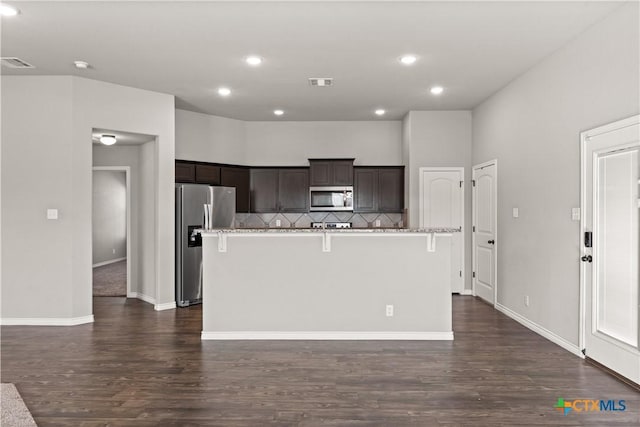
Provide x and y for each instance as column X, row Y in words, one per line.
column 342, row 172
column 238, row 178
column 320, row 172
column 365, row 189
column 264, row 190
column 391, row 189
column 207, row 174
column 185, row 171
column 293, row 190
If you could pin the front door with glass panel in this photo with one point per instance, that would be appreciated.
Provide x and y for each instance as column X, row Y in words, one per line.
column 610, row 180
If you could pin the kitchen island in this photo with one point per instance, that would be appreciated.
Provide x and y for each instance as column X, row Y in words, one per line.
column 326, row 284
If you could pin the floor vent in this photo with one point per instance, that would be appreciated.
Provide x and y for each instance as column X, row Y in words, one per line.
column 13, row 62
column 327, row 81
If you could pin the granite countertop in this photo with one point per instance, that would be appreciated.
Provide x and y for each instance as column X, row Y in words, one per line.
column 331, row 230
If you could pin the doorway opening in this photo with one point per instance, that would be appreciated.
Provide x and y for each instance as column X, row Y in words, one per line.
column 111, row 229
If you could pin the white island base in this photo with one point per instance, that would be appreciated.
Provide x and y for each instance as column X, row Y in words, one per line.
column 328, row 285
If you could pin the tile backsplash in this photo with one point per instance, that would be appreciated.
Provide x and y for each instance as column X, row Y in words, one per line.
column 304, row 220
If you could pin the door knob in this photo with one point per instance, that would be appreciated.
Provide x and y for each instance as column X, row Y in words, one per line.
column 587, row 258
column 491, row 242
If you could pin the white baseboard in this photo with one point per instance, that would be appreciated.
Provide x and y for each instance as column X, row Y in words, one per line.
column 165, row 306
column 46, row 321
column 141, row 296
column 556, row 339
column 325, row 335
column 111, row 261
column 466, row 292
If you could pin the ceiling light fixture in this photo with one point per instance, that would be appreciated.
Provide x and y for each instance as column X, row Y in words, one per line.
column 278, row 112
column 81, row 65
column 108, row 139
column 437, row 90
column 253, row 60
column 408, row 59
column 224, row 91
column 6, row 10
column 380, row 112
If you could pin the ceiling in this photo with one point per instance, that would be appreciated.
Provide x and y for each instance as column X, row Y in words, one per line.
column 123, row 138
column 189, row 49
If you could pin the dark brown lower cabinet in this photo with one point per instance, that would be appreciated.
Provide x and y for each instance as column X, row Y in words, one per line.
column 378, row 189
column 237, row 177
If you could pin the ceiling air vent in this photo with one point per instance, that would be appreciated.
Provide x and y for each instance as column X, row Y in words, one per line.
column 13, row 62
column 327, row 81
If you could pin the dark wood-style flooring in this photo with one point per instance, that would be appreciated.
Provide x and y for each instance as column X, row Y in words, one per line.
column 138, row 367
column 110, row 280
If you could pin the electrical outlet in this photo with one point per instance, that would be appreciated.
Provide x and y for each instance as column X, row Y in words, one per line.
column 278, row 223
column 52, row 213
column 377, row 223
column 516, row 212
column 575, row 214
column 114, row 251
column 526, row 300
column 389, row 310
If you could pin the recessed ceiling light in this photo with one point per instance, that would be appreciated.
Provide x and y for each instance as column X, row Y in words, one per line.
column 254, row 60
column 437, row 90
column 224, row 91
column 6, row 10
column 408, row 59
column 278, row 112
column 380, row 112
column 108, row 139
column 81, row 65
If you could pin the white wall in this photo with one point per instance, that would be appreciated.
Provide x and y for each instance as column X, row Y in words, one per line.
column 36, row 160
column 293, row 143
column 147, row 224
column 109, row 216
column 46, row 163
column 207, row 138
column 532, row 127
column 128, row 155
column 438, row 139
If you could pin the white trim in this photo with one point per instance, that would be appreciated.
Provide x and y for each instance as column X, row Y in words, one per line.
column 495, row 228
column 127, row 177
column 165, row 306
column 326, row 335
column 46, row 321
column 142, row 297
column 556, row 339
column 462, row 207
column 111, row 261
column 466, row 292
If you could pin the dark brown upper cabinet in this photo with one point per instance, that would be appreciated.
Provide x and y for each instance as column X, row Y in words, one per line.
column 185, row 171
column 237, row 177
column 207, row 174
column 331, row 172
column 378, row 189
column 279, row 190
column 264, row 190
column 293, row 190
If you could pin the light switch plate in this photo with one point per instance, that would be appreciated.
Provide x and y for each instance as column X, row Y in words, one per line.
column 575, row 214
column 516, row 212
column 52, row 213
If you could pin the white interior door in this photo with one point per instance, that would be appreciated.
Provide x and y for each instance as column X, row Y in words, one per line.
column 442, row 205
column 484, row 230
column 610, row 180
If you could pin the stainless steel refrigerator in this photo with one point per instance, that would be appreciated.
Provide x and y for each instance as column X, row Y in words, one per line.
column 197, row 207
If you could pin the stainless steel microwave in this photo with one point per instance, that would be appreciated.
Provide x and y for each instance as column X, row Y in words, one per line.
column 331, row 198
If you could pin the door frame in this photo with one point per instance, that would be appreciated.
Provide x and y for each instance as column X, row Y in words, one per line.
column 584, row 138
column 462, row 210
column 127, row 175
column 495, row 227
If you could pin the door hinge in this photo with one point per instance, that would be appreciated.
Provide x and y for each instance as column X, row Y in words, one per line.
column 461, row 184
column 460, row 273
column 473, row 182
column 474, row 274
column 473, row 228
